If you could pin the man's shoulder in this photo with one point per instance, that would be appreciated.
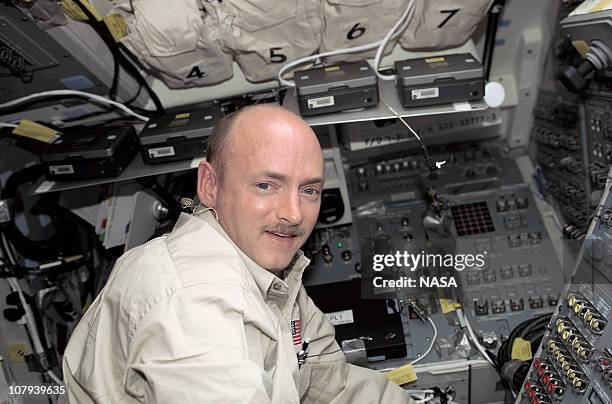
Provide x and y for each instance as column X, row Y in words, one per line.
column 201, row 254
column 186, row 257
column 144, row 268
column 192, row 253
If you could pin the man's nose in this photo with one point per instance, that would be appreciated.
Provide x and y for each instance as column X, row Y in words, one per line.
column 289, row 210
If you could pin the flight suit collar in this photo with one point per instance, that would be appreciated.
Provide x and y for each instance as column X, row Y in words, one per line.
column 271, row 286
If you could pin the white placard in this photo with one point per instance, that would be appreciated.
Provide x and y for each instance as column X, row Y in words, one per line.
column 62, row 169
column 423, row 93
column 340, row 317
column 161, row 152
column 365, row 139
column 44, row 187
column 462, row 106
column 321, row 102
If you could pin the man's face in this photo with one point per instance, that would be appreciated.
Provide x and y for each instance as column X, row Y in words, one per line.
column 269, row 195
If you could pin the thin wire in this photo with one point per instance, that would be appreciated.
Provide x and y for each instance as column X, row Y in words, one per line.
column 541, row 197
column 473, row 338
column 10, row 257
column 107, row 38
column 77, row 93
column 305, row 59
column 31, row 325
column 54, row 377
column 403, row 121
column 7, row 125
column 426, row 391
column 415, row 394
column 12, row 250
column 133, row 64
column 408, row 13
column 423, row 147
column 326, row 353
column 121, row 60
column 433, row 340
column 425, row 400
column 556, row 221
column 362, row 48
column 30, row 322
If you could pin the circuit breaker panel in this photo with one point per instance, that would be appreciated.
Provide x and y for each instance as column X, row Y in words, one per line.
column 574, row 363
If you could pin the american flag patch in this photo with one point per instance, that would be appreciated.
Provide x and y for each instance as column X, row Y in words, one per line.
column 296, row 332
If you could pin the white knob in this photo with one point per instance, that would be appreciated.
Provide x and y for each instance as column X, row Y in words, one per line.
column 494, row 94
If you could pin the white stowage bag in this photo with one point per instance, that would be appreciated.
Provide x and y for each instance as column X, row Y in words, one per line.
column 264, row 35
column 351, row 23
column 439, row 24
column 177, row 41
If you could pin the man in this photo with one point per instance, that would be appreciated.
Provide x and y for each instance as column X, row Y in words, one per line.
column 206, row 313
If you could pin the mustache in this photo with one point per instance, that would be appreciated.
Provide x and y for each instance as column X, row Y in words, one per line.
column 285, row 229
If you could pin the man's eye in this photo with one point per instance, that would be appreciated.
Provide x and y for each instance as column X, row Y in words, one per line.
column 263, row 185
column 311, row 191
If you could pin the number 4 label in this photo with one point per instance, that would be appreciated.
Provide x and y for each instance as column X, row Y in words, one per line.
column 196, row 72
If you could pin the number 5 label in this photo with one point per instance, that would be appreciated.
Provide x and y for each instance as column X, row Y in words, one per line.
column 276, row 56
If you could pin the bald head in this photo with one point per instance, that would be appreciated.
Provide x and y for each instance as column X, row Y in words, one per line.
column 264, row 178
column 245, row 122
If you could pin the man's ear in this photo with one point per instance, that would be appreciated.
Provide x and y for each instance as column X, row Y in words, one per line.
column 208, row 184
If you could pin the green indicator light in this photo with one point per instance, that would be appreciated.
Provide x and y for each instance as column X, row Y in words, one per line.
column 339, row 244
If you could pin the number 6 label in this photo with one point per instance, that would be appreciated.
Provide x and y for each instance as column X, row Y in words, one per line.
column 355, row 32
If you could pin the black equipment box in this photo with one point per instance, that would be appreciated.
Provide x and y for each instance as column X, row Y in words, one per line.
column 439, row 80
column 90, row 152
column 341, row 87
column 178, row 135
column 354, row 317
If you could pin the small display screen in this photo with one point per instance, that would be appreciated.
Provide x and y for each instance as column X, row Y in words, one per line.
column 178, row 122
column 84, row 140
column 438, row 65
column 334, row 73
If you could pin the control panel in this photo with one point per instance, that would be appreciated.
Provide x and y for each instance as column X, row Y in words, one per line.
column 334, row 255
column 489, row 211
column 522, row 277
column 558, row 152
column 397, row 178
column 574, row 362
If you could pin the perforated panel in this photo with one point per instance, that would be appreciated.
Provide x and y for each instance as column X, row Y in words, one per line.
column 472, row 218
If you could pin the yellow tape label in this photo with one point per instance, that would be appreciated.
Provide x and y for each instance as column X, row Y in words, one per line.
column 332, row 68
column 184, row 115
column 603, row 5
column 73, row 258
column 434, row 60
column 117, row 26
column 448, row 305
column 17, row 352
column 521, row 349
column 581, row 46
column 592, row 6
column 35, row 131
column 75, row 12
column 402, row 375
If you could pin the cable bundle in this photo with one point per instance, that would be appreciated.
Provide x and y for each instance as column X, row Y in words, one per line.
column 513, row 371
